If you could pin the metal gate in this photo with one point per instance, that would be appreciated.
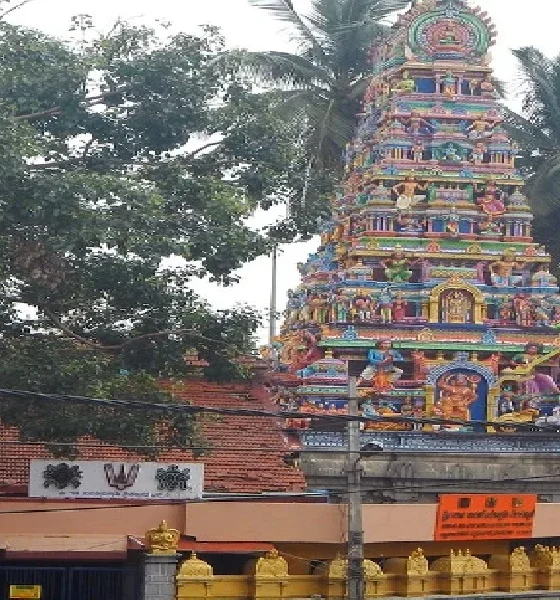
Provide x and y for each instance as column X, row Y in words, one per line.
column 73, row 583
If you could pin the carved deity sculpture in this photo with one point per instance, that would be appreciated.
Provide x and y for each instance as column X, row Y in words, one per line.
column 448, row 38
column 478, row 153
column 162, row 539
column 491, row 202
column 458, row 393
column 540, row 383
column 399, row 309
column 523, row 310
column 487, row 88
column 480, row 129
column 385, row 303
column 502, row 271
column 397, row 267
column 407, row 193
column 381, row 371
column 417, row 152
column 543, row 278
column 457, row 307
column 406, row 85
column 449, row 85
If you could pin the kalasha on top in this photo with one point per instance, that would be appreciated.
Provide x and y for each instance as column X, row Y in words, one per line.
column 427, row 272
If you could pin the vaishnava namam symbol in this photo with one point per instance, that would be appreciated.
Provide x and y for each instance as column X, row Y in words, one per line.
column 122, row 479
column 62, row 476
column 173, row 478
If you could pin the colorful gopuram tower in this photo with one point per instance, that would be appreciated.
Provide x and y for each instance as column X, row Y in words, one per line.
column 428, row 272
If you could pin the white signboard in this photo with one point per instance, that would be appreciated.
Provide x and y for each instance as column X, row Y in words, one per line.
column 104, row 479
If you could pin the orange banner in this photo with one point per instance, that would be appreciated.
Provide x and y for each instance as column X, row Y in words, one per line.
column 485, row 517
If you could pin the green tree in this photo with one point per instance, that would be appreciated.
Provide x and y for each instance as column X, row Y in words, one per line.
column 537, row 131
column 117, row 152
column 323, row 84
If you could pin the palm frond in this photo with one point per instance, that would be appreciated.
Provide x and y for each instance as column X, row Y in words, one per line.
column 529, row 136
column 283, row 67
column 544, row 187
column 330, row 16
column 542, row 97
column 284, row 10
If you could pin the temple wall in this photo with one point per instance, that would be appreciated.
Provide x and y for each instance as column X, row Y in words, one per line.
column 414, row 476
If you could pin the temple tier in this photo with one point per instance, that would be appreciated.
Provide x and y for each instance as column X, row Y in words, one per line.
column 428, row 271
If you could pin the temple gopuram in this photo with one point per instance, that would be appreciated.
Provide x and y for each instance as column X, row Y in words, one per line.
column 427, row 273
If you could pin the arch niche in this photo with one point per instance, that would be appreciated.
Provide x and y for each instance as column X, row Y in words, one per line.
column 457, row 303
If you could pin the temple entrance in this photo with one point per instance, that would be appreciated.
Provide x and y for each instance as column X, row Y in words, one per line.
column 461, row 394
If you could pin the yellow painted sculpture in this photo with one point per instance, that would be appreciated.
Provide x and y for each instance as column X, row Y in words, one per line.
column 162, row 539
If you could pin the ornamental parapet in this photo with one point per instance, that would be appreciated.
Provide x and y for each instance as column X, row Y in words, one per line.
column 458, row 572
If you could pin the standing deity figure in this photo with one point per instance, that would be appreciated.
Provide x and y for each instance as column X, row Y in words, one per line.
column 505, row 310
column 524, row 311
column 407, row 192
column 397, row 267
column 399, row 309
column 363, row 304
column 457, row 306
column 449, row 85
column 342, row 307
column 491, row 201
column 478, row 153
column 457, row 393
column 417, row 151
column 501, row 271
column 385, row 303
column 381, row 371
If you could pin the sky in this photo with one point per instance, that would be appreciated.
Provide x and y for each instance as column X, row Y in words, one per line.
column 519, row 23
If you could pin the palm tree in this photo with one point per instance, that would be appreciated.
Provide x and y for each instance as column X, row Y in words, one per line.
column 326, row 79
column 537, row 131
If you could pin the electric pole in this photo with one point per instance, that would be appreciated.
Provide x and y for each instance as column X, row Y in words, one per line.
column 355, row 573
column 272, row 308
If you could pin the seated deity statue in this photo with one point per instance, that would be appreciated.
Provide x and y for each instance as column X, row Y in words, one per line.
column 381, row 372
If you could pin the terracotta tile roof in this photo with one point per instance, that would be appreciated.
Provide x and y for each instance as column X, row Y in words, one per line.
column 257, row 467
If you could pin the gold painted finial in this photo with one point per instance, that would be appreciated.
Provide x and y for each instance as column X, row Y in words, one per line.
column 194, row 568
column 162, row 539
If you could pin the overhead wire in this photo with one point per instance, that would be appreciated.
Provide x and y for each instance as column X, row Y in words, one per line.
column 249, row 412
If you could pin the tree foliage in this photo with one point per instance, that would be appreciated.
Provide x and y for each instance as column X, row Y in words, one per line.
column 322, row 85
column 117, row 152
column 537, row 131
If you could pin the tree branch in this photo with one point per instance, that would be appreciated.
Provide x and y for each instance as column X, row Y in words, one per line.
column 194, row 153
column 51, row 112
column 14, row 8
column 117, row 347
column 57, row 110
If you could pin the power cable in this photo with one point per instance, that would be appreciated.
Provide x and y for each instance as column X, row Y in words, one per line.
column 247, row 412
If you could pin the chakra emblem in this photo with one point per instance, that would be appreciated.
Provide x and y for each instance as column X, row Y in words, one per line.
column 173, row 478
column 62, row 476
